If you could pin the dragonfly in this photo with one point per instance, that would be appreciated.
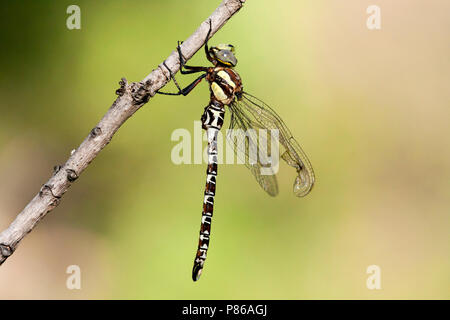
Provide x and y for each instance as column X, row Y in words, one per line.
column 248, row 115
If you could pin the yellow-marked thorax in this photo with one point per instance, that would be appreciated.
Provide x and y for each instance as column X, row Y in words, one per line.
column 224, row 83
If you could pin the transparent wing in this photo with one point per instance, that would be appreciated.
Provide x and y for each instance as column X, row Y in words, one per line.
column 252, row 113
column 244, row 137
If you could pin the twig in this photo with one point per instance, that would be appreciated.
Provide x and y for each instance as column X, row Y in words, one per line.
column 130, row 98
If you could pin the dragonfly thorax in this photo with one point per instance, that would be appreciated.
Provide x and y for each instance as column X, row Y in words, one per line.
column 225, row 84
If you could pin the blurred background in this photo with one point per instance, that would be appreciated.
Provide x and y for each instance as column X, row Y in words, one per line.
column 370, row 108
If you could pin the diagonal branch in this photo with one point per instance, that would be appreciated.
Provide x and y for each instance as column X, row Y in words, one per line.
column 130, row 98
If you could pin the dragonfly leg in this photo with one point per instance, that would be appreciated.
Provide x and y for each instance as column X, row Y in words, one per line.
column 184, row 69
column 186, row 90
column 190, row 69
column 193, row 69
column 208, row 56
column 172, row 77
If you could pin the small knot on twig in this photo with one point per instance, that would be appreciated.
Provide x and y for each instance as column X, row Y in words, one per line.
column 71, row 175
column 47, row 189
column 96, row 132
column 56, row 168
column 5, row 251
column 149, row 87
column 141, row 91
column 123, row 83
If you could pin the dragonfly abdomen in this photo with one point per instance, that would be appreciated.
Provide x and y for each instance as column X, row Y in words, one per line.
column 212, row 121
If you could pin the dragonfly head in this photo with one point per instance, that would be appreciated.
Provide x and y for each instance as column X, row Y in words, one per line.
column 223, row 54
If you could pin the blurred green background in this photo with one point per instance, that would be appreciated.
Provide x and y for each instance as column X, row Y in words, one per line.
column 370, row 108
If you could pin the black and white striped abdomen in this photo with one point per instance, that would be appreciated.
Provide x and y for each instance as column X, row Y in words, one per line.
column 212, row 121
column 213, row 116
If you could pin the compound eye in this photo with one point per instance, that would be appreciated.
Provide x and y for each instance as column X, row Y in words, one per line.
column 227, row 57
column 226, row 54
